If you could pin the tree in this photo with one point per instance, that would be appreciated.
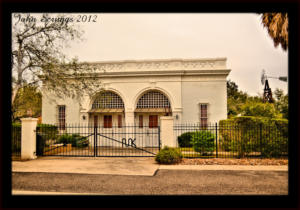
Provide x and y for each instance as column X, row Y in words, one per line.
column 37, row 55
column 240, row 103
column 277, row 26
column 282, row 102
column 260, row 109
column 235, row 99
column 28, row 97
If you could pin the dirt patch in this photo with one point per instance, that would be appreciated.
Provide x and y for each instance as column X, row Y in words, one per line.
column 244, row 161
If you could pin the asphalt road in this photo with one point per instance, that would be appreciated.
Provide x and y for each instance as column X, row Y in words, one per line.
column 164, row 182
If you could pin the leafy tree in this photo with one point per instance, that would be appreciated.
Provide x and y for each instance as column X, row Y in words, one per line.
column 37, row 56
column 240, row 103
column 259, row 109
column 28, row 97
column 277, row 26
column 235, row 99
column 282, row 102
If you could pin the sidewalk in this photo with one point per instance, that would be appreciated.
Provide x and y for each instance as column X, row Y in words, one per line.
column 119, row 166
column 82, row 165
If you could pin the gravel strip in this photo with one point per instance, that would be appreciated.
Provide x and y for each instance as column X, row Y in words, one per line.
column 244, row 161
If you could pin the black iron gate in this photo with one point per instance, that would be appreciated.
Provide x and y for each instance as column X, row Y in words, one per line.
column 100, row 141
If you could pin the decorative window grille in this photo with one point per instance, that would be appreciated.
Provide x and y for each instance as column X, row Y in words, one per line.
column 203, row 115
column 62, row 117
column 108, row 100
column 153, row 99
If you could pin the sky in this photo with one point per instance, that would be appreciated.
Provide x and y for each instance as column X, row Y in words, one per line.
column 241, row 38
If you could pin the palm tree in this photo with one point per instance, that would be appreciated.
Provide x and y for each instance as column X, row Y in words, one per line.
column 277, row 25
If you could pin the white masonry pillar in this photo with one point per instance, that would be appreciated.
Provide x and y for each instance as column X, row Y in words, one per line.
column 130, row 129
column 166, row 131
column 28, row 138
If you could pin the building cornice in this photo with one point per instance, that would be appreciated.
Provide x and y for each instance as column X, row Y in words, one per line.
column 223, row 72
column 152, row 66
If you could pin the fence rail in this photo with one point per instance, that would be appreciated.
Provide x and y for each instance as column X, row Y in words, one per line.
column 193, row 140
column 231, row 141
column 89, row 140
column 16, row 141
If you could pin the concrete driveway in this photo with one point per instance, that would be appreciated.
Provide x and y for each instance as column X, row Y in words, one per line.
column 144, row 166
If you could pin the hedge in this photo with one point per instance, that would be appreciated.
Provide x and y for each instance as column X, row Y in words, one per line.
column 248, row 134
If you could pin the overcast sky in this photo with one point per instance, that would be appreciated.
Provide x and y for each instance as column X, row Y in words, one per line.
column 240, row 38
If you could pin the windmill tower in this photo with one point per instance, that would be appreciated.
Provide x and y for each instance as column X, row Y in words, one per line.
column 267, row 96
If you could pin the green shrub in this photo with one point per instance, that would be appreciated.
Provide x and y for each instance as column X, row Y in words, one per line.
column 185, row 139
column 248, row 134
column 203, row 142
column 168, row 155
column 75, row 139
column 47, row 131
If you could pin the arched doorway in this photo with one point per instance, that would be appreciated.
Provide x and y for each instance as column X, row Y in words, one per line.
column 107, row 110
column 150, row 106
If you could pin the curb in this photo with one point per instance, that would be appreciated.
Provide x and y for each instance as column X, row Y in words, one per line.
column 224, row 167
column 27, row 192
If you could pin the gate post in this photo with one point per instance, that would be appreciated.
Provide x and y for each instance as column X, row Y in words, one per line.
column 28, row 138
column 167, row 133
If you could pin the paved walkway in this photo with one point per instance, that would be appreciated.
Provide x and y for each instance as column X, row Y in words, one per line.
column 144, row 166
column 98, row 165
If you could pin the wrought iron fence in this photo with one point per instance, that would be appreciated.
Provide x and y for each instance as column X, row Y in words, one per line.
column 16, row 141
column 232, row 141
column 89, row 140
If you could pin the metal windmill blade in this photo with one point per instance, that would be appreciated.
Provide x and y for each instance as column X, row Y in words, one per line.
column 263, row 77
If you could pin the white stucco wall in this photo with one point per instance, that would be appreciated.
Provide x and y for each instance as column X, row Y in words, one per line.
column 212, row 92
column 49, row 109
column 185, row 82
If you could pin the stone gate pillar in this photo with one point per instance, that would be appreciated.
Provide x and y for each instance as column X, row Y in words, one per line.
column 28, row 138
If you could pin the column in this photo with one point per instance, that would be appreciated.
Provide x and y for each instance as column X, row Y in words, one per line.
column 28, row 138
column 130, row 126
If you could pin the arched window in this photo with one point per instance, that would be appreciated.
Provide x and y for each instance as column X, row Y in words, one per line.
column 108, row 100
column 153, row 99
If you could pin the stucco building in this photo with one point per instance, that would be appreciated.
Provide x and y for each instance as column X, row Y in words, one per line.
column 140, row 92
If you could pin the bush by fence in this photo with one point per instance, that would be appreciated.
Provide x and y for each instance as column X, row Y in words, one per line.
column 75, row 139
column 203, row 142
column 185, row 139
column 236, row 137
column 246, row 135
column 168, row 155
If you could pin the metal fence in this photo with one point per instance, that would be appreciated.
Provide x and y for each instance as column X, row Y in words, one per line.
column 88, row 140
column 16, row 141
column 232, row 141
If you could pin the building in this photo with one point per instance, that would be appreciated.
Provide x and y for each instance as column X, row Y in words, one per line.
column 140, row 92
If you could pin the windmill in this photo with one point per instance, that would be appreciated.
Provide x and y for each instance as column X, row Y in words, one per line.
column 267, row 97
